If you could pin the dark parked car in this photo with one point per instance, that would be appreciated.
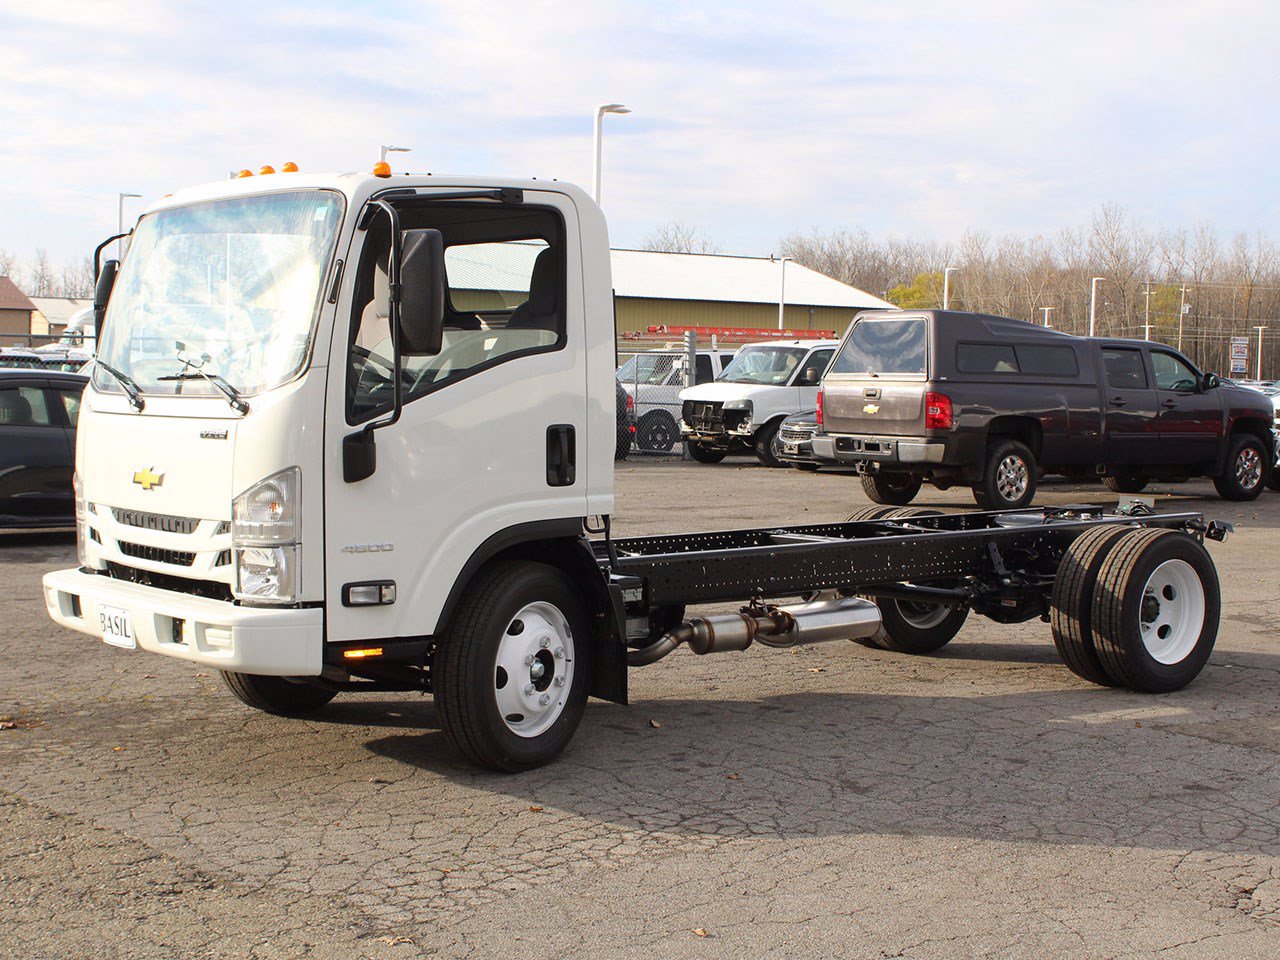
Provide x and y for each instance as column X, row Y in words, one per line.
column 988, row 402
column 795, row 440
column 38, row 412
column 626, row 423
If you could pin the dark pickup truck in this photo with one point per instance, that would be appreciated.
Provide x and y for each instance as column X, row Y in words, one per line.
column 992, row 403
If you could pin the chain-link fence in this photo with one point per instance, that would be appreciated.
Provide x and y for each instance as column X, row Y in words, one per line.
column 654, row 379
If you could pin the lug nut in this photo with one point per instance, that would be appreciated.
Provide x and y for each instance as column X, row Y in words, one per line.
column 528, row 689
column 558, row 681
column 528, row 661
column 559, row 653
column 544, row 643
column 543, row 700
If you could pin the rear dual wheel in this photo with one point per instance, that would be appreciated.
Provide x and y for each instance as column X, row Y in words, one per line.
column 1136, row 608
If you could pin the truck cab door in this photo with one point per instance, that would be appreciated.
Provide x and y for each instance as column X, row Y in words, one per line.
column 492, row 434
column 1129, row 408
column 1189, row 419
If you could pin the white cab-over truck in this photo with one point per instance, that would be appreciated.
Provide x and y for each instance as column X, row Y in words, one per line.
column 307, row 460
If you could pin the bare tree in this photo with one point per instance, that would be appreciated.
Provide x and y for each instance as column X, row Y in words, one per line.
column 678, row 237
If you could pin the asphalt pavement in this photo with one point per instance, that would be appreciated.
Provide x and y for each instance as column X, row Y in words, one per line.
column 834, row 801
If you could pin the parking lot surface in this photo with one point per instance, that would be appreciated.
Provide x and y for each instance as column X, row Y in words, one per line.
column 834, row 801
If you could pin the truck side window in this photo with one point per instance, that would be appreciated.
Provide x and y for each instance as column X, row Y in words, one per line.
column 1047, row 361
column 1124, row 369
column 505, row 299
column 985, row 358
column 815, row 365
column 702, row 369
column 24, row 407
column 1171, row 373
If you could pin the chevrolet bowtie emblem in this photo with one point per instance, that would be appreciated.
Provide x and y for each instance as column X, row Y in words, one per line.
column 147, row 479
column 871, row 408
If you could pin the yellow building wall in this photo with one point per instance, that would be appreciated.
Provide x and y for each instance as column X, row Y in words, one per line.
column 637, row 315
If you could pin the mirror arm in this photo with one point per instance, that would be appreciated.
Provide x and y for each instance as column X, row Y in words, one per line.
column 97, row 253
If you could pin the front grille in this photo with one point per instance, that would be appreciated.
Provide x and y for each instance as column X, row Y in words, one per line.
column 165, row 581
column 224, row 558
column 176, row 558
column 705, row 416
column 795, row 435
column 155, row 521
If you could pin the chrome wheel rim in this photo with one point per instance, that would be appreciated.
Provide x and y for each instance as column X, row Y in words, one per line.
column 1171, row 615
column 1248, row 468
column 1012, row 477
column 534, row 671
column 922, row 616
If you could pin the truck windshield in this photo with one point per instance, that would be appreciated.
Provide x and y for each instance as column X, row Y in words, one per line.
column 883, row 347
column 768, row 365
column 238, row 280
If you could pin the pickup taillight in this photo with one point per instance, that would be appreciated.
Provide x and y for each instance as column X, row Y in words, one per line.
column 818, row 413
column 937, row 411
column 631, row 402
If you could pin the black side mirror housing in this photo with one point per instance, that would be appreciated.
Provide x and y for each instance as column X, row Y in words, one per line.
column 421, row 292
column 359, row 456
column 1210, row 381
column 811, row 377
column 102, row 294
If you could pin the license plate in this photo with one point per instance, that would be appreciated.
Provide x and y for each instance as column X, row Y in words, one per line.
column 789, row 447
column 117, row 629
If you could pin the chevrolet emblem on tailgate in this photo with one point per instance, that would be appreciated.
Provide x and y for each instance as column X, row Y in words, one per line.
column 147, row 479
column 871, row 408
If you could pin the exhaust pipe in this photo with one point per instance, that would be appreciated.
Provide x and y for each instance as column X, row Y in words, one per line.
column 847, row 618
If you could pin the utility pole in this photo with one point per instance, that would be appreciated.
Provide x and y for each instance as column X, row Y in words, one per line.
column 1147, row 323
column 946, row 287
column 1047, row 311
column 1182, row 312
column 782, row 294
column 1258, row 375
column 1093, row 302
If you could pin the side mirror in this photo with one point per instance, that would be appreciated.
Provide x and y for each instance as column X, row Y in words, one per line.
column 811, row 377
column 421, row 292
column 359, row 456
column 102, row 294
column 1210, row 381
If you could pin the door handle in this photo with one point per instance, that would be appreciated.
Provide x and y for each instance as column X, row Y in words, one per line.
column 1169, row 404
column 1118, row 401
column 561, row 455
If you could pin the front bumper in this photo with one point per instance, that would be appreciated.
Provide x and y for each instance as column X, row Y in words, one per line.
column 285, row 642
column 855, row 449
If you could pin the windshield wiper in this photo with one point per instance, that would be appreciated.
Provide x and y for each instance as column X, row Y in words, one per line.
column 131, row 388
column 219, row 382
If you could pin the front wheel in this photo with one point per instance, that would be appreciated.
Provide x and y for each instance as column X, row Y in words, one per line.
column 657, row 431
column 510, row 675
column 768, row 446
column 277, row 695
column 896, row 489
column 1246, row 472
column 1008, row 479
column 705, row 454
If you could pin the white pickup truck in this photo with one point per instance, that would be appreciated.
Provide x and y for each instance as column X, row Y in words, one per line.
column 742, row 410
column 324, row 453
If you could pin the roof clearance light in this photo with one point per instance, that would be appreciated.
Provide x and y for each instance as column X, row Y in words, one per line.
column 289, row 167
column 382, row 169
column 267, row 169
column 244, row 173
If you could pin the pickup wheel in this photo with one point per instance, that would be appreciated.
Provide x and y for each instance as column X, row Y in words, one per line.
column 657, row 431
column 896, row 489
column 1246, row 472
column 1155, row 610
column 767, row 445
column 1071, row 605
column 907, row 626
column 1008, row 478
column 1125, row 483
column 705, row 454
column 510, row 674
column 276, row 694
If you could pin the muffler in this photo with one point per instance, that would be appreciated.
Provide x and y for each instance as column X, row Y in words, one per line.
column 846, row 618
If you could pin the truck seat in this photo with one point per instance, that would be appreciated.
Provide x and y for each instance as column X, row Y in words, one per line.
column 542, row 309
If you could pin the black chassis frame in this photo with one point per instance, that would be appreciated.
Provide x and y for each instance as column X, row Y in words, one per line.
column 999, row 563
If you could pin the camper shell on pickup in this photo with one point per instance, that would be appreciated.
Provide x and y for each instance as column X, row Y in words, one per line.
column 969, row 399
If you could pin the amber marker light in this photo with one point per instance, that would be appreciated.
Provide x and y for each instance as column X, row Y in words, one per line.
column 362, row 653
column 244, row 173
column 289, row 167
column 266, row 169
column 382, row 169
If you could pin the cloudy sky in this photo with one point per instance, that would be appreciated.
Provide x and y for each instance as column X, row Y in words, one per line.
column 750, row 120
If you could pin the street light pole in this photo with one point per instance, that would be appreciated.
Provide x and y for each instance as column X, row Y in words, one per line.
column 946, row 286
column 599, row 146
column 1093, row 302
column 1258, row 375
column 1047, row 311
column 1147, row 321
column 120, row 222
column 1182, row 312
column 782, row 294
column 387, row 148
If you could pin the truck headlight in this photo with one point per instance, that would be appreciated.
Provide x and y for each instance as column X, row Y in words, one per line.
column 82, row 522
column 265, row 522
column 737, row 414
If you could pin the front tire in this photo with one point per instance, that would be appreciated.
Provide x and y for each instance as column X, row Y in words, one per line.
column 1008, row 478
column 276, row 694
column 895, row 489
column 768, row 446
column 510, row 675
column 1246, row 472
column 657, row 431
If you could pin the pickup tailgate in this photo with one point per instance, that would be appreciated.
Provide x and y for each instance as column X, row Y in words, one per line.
column 874, row 407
